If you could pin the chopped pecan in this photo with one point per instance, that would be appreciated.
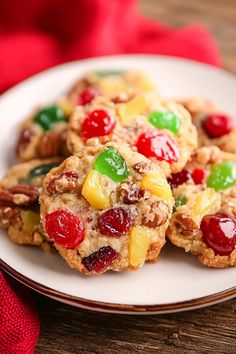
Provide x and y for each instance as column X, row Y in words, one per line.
column 130, row 194
column 63, row 183
column 158, row 215
column 24, row 140
column 6, row 197
column 21, row 195
column 8, row 216
column 185, row 224
column 142, row 166
column 51, row 144
column 208, row 155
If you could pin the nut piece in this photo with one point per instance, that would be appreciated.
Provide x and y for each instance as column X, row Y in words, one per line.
column 130, row 194
column 185, row 224
column 51, row 144
column 20, row 195
column 207, row 155
column 8, row 216
column 142, row 166
column 158, row 215
column 63, row 183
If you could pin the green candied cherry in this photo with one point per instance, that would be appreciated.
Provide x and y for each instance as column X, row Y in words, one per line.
column 49, row 116
column 222, row 176
column 165, row 120
column 111, row 164
column 104, row 73
column 41, row 170
column 179, row 201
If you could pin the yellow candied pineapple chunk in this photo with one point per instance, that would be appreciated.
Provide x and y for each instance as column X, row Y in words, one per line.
column 66, row 106
column 140, row 238
column 136, row 106
column 157, row 185
column 29, row 220
column 94, row 191
column 205, row 201
column 145, row 84
column 111, row 85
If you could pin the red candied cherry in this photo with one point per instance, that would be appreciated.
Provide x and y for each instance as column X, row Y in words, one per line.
column 176, row 179
column 217, row 125
column 115, row 222
column 64, row 228
column 219, row 233
column 97, row 123
column 100, row 259
column 158, row 145
column 198, row 175
column 87, row 96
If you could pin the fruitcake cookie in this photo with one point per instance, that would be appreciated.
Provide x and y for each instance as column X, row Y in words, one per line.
column 19, row 207
column 159, row 129
column 204, row 218
column 115, row 84
column 43, row 134
column 213, row 126
column 106, row 208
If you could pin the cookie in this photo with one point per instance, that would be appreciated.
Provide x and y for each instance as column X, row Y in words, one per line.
column 106, row 208
column 19, row 207
column 204, row 218
column 43, row 134
column 159, row 129
column 118, row 85
column 213, row 126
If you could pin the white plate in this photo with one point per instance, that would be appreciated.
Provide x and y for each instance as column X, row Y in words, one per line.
column 178, row 282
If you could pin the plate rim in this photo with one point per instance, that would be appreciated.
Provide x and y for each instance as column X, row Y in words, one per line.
column 100, row 306
column 124, row 56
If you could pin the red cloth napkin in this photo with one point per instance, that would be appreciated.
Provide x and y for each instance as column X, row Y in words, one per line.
column 19, row 324
column 37, row 34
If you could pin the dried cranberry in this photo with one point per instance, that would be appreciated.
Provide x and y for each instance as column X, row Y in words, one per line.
column 198, row 175
column 97, row 123
column 158, row 145
column 100, row 260
column 87, row 96
column 219, row 233
column 24, row 140
column 64, row 228
column 115, row 222
column 217, row 125
column 176, row 179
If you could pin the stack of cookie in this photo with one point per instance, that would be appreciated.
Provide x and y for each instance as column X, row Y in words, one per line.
column 111, row 169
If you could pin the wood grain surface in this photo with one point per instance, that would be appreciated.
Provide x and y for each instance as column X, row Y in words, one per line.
column 67, row 330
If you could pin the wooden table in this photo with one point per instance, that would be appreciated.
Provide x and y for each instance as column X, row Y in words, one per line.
column 65, row 329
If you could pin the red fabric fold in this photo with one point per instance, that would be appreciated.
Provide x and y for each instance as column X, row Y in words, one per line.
column 19, row 324
column 38, row 34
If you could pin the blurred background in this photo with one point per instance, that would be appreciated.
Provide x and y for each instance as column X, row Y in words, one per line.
column 38, row 34
column 217, row 15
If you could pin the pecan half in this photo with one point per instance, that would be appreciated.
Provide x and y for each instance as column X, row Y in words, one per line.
column 130, row 194
column 63, row 183
column 8, row 216
column 51, row 144
column 142, row 166
column 20, row 195
column 158, row 215
column 185, row 224
column 24, row 140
